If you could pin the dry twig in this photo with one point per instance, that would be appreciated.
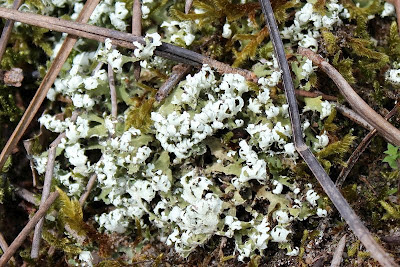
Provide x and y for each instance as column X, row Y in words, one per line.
column 387, row 130
column 26, row 195
column 315, row 94
column 136, row 30
column 51, row 158
column 4, row 245
column 337, row 256
column 360, row 149
column 178, row 72
column 89, row 187
column 122, row 39
column 27, row 229
column 5, row 35
column 47, row 82
column 188, row 6
column 349, row 113
column 377, row 252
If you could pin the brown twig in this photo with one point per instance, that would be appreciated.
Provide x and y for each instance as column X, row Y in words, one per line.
column 354, row 222
column 136, row 30
column 47, row 82
column 188, row 6
column 337, row 256
column 27, row 229
column 349, row 113
column 178, row 72
column 387, row 130
column 122, row 39
column 4, row 245
column 26, row 195
column 113, row 93
column 5, row 35
column 51, row 158
column 315, row 94
column 360, row 149
column 89, row 187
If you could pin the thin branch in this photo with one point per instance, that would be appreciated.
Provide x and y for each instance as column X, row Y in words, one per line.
column 315, row 94
column 349, row 113
column 360, row 149
column 387, row 130
column 136, row 30
column 47, row 82
column 188, row 6
column 4, row 245
column 178, row 72
column 122, row 39
column 26, row 195
column 337, row 256
column 5, row 35
column 333, row 193
column 89, row 187
column 27, row 229
column 51, row 158
column 113, row 93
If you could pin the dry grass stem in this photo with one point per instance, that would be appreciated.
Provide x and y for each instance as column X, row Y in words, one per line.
column 360, row 149
column 387, row 130
column 354, row 222
column 27, row 229
column 47, row 82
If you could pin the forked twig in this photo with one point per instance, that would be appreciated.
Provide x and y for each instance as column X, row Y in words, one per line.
column 47, row 82
column 48, row 177
column 360, row 149
column 5, row 35
column 27, row 229
column 337, row 256
column 387, row 130
column 333, row 193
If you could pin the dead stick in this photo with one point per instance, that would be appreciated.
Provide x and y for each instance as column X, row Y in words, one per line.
column 360, row 149
column 337, row 256
column 89, row 187
column 178, row 72
column 354, row 222
column 122, row 39
column 26, row 195
column 136, row 30
column 188, row 6
column 48, row 177
column 47, row 82
column 4, row 245
column 113, row 93
column 315, row 94
column 5, row 35
column 387, row 130
column 349, row 113
column 27, row 229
